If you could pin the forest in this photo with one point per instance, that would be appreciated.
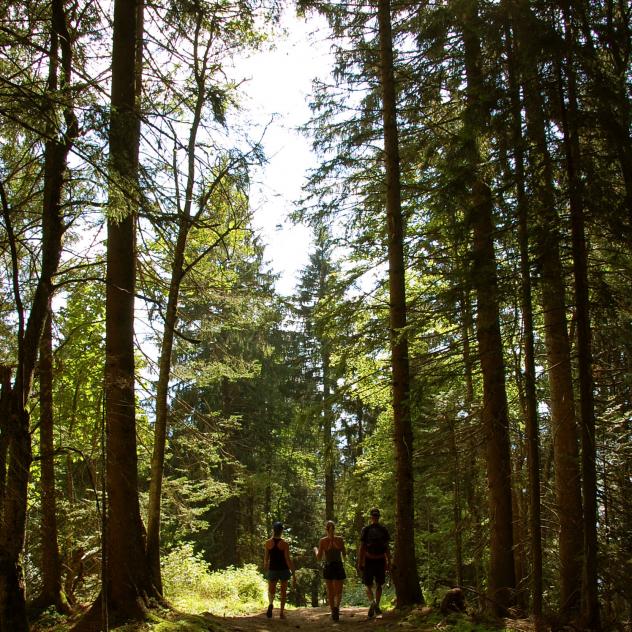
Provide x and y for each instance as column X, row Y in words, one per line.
column 457, row 350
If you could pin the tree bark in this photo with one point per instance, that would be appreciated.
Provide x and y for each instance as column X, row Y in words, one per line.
column 13, row 616
column 404, row 572
column 5, row 399
column 495, row 410
column 590, row 596
column 520, row 513
column 470, row 488
column 546, row 241
column 531, row 401
column 457, row 512
column 127, row 585
column 495, row 413
column 162, row 394
column 230, row 516
column 127, row 577
column 328, row 442
column 51, row 593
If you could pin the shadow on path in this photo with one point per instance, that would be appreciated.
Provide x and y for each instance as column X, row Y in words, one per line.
column 312, row 620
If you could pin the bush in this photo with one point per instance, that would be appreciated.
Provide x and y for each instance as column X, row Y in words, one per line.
column 354, row 593
column 243, row 584
column 190, row 584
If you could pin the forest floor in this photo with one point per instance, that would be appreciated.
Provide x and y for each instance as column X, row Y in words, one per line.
column 355, row 619
column 352, row 619
column 318, row 620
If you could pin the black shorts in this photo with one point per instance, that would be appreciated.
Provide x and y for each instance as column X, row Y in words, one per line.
column 374, row 570
column 334, row 570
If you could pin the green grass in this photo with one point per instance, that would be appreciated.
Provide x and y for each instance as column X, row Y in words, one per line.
column 191, row 586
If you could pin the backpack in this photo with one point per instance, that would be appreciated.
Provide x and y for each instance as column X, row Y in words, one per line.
column 375, row 538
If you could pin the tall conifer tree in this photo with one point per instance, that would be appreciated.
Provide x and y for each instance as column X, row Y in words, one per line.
column 404, row 573
column 126, row 579
column 15, row 421
column 484, row 274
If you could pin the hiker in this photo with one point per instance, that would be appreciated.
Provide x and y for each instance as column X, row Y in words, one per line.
column 278, row 567
column 374, row 559
column 332, row 547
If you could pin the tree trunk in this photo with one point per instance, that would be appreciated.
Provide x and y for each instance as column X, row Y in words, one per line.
column 564, row 427
column 531, row 401
column 5, row 401
column 162, row 405
column 127, row 579
column 472, row 446
column 230, row 517
column 127, row 576
column 12, row 595
column 590, row 597
column 404, row 572
column 328, row 442
column 520, row 512
column 466, row 332
column 13, row 616
column 495, row 415
column 52, row 593
column 171, row 319
column 456, row 505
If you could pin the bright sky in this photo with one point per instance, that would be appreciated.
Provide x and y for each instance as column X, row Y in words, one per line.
column 279, row 84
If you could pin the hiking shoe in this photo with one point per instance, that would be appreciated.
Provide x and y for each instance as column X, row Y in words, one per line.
column 372, row 609
column 269, row 612
column 335, row 613
column 377, row 610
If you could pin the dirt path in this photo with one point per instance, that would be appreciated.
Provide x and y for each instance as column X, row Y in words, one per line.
column 313, row 620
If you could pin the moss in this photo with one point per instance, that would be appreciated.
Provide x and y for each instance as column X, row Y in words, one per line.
column 180, row 622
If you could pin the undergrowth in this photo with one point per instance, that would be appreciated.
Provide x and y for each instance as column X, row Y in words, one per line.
column 190, row 585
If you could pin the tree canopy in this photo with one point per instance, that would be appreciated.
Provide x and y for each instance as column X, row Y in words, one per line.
column 457, row 350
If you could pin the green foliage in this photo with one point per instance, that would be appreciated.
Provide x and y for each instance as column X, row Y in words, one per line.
column 50, row 619
column 190, row 584
column 354, row 593
column 245, row 443
column 454, row 622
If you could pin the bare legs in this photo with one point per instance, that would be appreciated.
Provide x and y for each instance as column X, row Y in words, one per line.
column 334, row 595
column 272, row 591
column 331, row 599
column 374, row 601
column 283, row 596
column 337, row 591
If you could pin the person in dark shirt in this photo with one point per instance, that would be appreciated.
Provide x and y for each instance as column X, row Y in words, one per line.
column 278, row 567
column 374, row 559
column 332, row 548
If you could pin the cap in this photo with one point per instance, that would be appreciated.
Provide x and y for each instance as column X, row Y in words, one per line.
column 277, row 526
column 375, row 512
